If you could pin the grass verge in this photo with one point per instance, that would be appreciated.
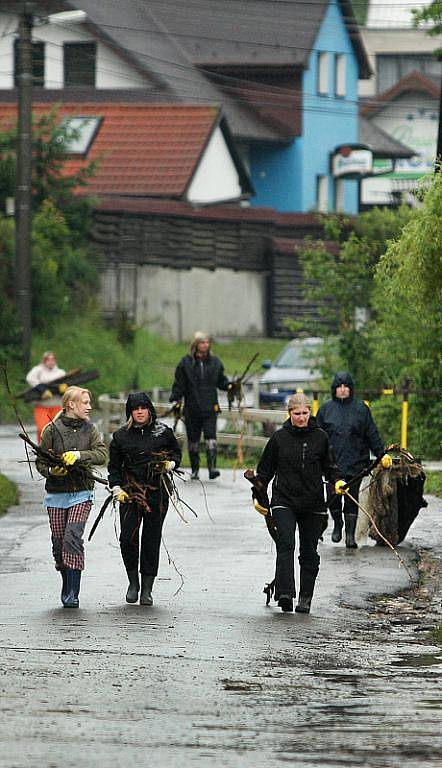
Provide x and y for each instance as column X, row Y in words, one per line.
column 433, row 483
column 8, row 494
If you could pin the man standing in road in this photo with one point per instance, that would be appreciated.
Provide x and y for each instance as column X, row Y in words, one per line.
column 353, row 434
column 198, row 376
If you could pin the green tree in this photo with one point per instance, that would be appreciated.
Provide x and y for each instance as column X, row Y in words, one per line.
column 51, row 137
column 406, row 337
column 63, row 265
column 339, row 279
column 432, row 14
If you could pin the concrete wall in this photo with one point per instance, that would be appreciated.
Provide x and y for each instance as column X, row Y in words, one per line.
column 175, row 303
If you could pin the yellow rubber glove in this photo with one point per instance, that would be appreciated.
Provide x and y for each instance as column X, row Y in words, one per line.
column 168, row 466
column 119, row 495
column 259, row 508
column 46, row 394
column 58, row 471
column 70, row 457
column 62, row 388
column 340, row 485
column 386, row 461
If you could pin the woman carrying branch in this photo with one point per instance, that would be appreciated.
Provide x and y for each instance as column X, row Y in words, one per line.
column 141, row 454
column 73, row 438
column 297, row 457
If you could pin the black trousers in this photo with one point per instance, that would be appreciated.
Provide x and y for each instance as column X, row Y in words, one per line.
column 196, row 423
column 342, row 504
column 132, row 518
column 310, row 528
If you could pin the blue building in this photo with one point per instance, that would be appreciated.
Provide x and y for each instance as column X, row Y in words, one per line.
column 298, row 177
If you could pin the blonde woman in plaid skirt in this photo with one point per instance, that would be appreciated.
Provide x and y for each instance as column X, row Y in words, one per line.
column 69, row 486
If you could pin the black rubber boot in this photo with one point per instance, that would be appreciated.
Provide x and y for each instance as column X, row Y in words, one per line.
column 194, row 464
column 350, row 528
column 133, row 588
column 73, row 579
column 146, row 589
column 306, row 588
column 286, row 603
column 64, row 584
column 337, row 532
column 211, row 464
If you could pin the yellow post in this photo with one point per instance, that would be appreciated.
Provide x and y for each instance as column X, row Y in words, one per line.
column 404, row 423
column 315, row 404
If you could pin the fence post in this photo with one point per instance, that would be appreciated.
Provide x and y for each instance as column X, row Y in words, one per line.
column 404, row 421
column 315, row 404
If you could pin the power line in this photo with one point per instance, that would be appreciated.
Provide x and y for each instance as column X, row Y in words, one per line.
column 224, row 80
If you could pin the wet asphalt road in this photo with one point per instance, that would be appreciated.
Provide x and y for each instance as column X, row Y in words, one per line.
column 210, row 676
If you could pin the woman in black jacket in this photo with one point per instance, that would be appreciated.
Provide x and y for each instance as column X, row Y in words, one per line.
column 140, row 455
column 297, row 457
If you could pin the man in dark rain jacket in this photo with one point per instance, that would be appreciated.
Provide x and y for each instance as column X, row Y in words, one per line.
column 353, row 434
column 198, row 376
column 141, row 453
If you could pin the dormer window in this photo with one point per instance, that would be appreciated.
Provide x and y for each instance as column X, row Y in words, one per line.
column 79, row 63
column 82, row 132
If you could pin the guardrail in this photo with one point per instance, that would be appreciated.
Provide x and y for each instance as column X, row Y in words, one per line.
column 234, row 427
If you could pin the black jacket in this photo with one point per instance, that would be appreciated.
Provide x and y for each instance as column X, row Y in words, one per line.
column 351, row 429
column 298, row 459
column 197, row 381
column 132, row 450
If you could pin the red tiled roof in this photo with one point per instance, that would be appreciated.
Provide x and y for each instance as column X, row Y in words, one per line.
column 414, row 81
column 143, row 150
column 220, row 212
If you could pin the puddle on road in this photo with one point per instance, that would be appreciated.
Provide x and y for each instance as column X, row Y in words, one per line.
column 418, row 660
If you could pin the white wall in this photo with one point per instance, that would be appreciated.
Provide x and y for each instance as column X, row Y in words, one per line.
column 112, row 70
column 175, row 303
column 216, row 178
column 413, row 120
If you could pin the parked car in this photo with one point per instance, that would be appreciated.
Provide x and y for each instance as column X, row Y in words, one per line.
column 295, row 368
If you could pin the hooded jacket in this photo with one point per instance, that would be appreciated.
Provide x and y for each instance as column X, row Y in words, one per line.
column 197, row 380
column 133, row 448
column 350, row 427
column 298, row 458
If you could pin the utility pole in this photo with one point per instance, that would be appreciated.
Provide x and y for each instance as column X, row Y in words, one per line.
column 23, row 194
column 439, row 133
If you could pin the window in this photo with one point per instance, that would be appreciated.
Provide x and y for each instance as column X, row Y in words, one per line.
column 38, row 64
column 322, row 84
column 79, row 63
column 81, row 132
column 340, row 89
column 322, row 194
column 392, row 68
column 339, row 196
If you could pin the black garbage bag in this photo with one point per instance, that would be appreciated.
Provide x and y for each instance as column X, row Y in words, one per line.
column 395, row 498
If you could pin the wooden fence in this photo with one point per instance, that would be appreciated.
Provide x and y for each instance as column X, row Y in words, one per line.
column 235, row 426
